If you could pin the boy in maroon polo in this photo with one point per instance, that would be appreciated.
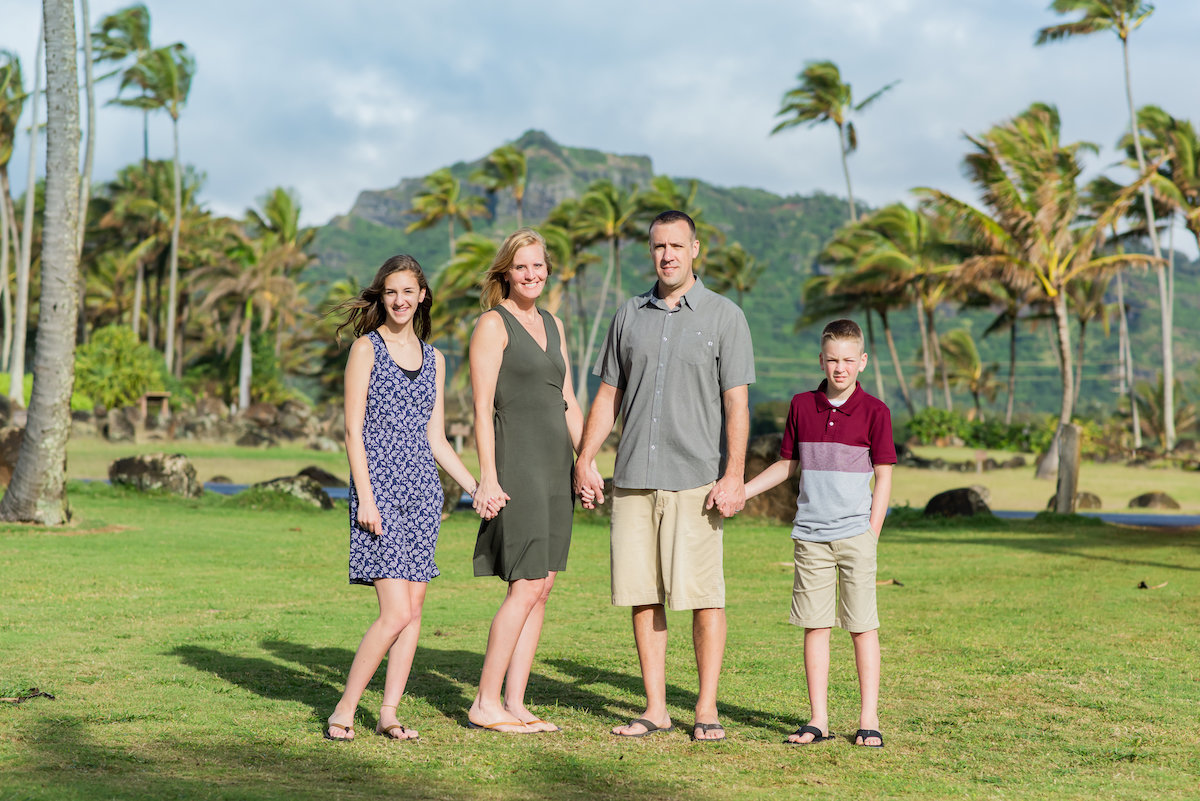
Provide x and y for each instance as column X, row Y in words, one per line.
column 839, row 437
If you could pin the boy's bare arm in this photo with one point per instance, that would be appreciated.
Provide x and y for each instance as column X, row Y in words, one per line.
column 772, row 476
column 881, row 497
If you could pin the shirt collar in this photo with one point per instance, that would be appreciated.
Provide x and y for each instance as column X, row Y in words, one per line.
column 694, row 298
column 851, row 403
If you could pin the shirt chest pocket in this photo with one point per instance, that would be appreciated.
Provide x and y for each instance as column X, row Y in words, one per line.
column 696, row 347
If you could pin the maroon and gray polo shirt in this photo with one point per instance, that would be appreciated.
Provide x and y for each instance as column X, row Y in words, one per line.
column 838, row 448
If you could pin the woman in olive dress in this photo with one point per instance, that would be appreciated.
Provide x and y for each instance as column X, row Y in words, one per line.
column 528, row 426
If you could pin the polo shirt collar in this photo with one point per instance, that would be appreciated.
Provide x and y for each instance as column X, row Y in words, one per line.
column 848, row 407
column 693, row 298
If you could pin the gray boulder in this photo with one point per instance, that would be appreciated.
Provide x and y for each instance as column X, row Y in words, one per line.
column 300, row 487
column 1083, row 500
column 172, row 473
column 322, row 477
column 119, row 426
column 962, row 502
column 1154, row 500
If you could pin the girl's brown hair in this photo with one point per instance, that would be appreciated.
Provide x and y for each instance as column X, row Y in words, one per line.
column 366, row 313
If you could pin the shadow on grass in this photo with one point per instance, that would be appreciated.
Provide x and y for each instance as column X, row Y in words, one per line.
column 65, row 759
column 444, row 678
column 1058, row 535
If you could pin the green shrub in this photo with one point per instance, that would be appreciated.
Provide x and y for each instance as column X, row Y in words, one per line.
column 932, row 424
column 115, row 369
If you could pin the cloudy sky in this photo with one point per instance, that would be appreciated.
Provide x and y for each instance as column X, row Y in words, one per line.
column 332, row 98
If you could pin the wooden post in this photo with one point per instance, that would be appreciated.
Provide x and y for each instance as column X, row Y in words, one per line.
column 1069, row 449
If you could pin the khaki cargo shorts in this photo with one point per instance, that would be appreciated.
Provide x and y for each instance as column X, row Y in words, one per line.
column 837, row 574
column 666, row 549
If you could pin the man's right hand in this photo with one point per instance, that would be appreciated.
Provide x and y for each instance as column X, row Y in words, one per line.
column 589, row 485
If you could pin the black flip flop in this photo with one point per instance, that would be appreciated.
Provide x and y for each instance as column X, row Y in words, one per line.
column 650, row 728
column 864, row 734
column 707, row 727
column 818, row 737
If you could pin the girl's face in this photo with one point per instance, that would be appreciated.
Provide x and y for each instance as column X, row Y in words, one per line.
column 402, row 294
column 527, row 275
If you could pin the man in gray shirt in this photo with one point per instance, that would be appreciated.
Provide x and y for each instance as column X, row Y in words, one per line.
column 676, row 365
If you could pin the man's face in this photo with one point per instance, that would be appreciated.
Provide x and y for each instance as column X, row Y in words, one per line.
column 841, row 361
column 673, row 249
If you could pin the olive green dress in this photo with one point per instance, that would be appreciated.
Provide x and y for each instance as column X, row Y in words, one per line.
column 532, row 534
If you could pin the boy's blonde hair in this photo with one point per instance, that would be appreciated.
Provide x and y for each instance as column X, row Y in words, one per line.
column 840, row 330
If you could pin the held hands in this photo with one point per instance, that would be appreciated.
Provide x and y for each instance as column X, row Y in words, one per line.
column 728, row 495
column 589, row 485
column 489, row 498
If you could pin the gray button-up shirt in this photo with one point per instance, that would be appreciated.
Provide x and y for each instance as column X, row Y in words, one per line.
column 672, row 366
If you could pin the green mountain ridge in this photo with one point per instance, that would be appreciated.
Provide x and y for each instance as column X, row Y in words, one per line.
column 785, row 233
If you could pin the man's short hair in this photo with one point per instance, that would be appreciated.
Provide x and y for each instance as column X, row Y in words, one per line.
column 840, row 330
column 673, row 216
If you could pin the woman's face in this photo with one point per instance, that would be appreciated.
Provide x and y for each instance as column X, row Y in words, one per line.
column 527, row 275
column 402, row 294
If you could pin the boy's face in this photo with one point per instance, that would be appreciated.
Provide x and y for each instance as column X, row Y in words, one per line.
column 841, row 361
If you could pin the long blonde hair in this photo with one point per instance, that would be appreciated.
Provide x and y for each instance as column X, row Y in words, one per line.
column 495, row 280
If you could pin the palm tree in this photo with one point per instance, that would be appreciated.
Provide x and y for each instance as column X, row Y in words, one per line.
column 12, row 101
column 1032, row 218
column 1088, row 298
column 443, row 199
column 1123, row 17
column 568, row 246
column 280, row 215
column 85, row 183
column 251, row 278
column 733, row 268
column 37, row 492
column 1150, row 398
column 606, row 214
column 1012, row 295
column 505, row 168
column 823, row 97
column 165, row 77
column 122, row 38
column 137, row 215
column 16, row 362
column 453, row 315
column 665, row 194
column 968, row 371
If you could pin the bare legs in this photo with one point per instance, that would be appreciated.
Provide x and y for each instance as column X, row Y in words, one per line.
column 708, row 640
column 816, row 672
column 512, row 643
column 394, row 633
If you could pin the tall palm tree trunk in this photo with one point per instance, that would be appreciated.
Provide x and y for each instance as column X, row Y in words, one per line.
column 245, row 368
column 1127, row 362
column 173, row 280
column 936, row 344
column 926, row 354
column 37, row 492
column 874, row 353
column 891, row 343
column 85, row 183
column 16, row 383
column 1062, row 325
column 1012, row 370
column 599, row 315
column 1079, row 361
column 846, row 171
column 5, row 298
column 138, row 283
column 1164, row 294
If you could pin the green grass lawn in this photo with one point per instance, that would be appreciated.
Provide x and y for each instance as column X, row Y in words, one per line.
column 195, row 647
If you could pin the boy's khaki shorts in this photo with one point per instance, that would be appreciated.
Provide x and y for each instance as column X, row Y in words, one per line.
column 841, row 571
column 666, row 549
